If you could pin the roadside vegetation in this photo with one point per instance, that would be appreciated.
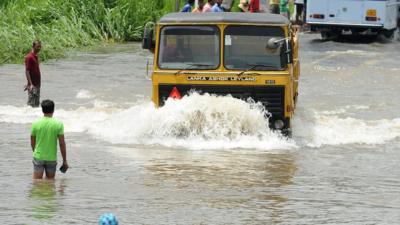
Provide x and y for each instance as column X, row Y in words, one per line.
column 62, row 25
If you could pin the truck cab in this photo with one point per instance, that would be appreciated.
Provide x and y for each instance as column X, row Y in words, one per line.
column 244, row 55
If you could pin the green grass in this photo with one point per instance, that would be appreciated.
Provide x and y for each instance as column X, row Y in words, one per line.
column 62, row 25
column 65, row 24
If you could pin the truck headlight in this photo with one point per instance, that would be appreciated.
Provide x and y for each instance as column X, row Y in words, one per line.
column 279, row 124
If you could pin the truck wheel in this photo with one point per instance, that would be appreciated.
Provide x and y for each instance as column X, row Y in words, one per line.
column 325, row 35
column 396, row 35
column 328, row 35
column 287, row 132
column 389, row 34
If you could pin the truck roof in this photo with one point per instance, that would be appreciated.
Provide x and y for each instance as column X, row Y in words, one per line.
column 229, row 17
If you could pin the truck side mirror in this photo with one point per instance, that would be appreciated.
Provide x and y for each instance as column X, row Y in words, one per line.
column 274, row 43
column 148, row 33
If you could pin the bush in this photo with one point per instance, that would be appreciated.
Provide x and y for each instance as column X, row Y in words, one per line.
column 61, row 24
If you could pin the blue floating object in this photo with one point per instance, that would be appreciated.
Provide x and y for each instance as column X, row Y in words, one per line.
column 108, row 219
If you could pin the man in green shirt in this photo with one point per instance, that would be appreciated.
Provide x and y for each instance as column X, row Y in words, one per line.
column 44, row 135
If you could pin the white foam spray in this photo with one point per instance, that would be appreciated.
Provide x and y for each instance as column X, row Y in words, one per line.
column 195, row 122
column 84, row 94
column 211, row 122
column 316, row 129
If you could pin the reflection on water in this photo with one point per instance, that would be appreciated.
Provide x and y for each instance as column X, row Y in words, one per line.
column 43, row 195
column 232, row 181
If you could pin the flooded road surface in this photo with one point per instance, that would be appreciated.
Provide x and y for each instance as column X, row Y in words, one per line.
column 207, row 159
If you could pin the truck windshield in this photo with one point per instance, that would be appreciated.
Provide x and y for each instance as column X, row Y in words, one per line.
column 247, row 45
column 189, row 47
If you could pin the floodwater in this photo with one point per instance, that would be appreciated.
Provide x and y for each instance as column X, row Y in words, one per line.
column 207, row 159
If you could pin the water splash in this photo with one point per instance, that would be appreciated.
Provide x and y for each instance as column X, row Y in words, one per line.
column 194, row 122
column 352, row 52
column 320, row 128
column 211, row 122
column 84, row 94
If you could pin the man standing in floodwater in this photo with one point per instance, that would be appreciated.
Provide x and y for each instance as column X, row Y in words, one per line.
column 32, row 73
column 44, row 135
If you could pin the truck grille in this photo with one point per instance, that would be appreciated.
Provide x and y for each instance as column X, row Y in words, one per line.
column 272, row 97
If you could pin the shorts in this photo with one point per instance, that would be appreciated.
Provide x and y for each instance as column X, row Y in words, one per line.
column 34, row 97
column 41, row 165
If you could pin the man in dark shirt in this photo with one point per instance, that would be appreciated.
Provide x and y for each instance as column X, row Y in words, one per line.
column 32, row 73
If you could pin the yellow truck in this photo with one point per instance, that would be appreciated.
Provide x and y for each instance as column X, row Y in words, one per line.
column 245, row 55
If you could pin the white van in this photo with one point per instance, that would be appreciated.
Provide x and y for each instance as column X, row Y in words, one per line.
column 336, row 17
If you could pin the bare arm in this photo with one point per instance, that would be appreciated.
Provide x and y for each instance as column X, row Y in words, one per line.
column 33, row 143
column 63, row 149
column 28, row 77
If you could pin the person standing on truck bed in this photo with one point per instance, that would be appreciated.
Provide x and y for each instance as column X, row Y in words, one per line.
column 283, row 8
column 188, row 6
column 199, row 8
column 243, row 6
column 217, row 6
column 207, row 7
column 254, row 6
column 299, row 11
column 274, row 6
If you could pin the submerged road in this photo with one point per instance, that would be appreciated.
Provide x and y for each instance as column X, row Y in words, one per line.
column 128, row 158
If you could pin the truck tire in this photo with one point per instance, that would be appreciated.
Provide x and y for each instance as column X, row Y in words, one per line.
column 325, row 35
column 389, row 34
column 396, row 35
column 328, row 35
column 397, row 32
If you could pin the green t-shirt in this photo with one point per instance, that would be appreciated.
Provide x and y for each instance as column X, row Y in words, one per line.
column 46, row 130
column 283, row 6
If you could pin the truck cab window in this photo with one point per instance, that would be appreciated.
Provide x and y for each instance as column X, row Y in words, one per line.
column 247, row 45
column 184, row 47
